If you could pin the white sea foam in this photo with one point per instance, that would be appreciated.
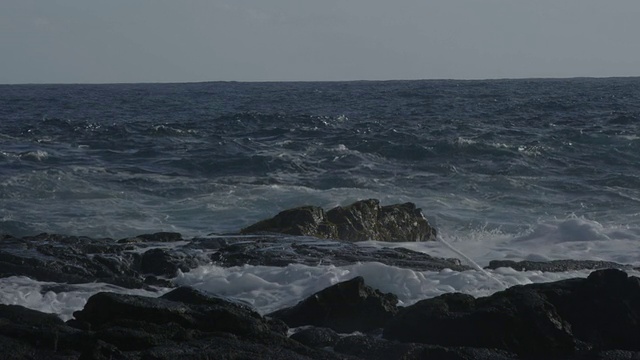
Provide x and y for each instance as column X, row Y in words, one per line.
column 271, row 288
column 56, row 298
column 37, row 155
column 575, row 238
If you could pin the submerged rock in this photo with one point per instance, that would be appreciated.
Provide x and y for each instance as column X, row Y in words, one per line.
column 360, row 221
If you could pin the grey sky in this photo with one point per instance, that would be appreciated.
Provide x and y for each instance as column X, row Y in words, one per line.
column 45, row 41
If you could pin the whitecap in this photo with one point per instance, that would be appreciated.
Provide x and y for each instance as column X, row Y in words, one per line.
column 37, row 155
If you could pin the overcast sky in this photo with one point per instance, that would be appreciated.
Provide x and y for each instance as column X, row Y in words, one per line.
column 83, row 41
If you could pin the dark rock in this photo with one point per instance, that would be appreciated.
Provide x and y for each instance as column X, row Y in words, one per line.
column 576, row 319
column 159, row 237
column 280, row 250
column 611, row 355
column 371, row 348
column 520, row 321
column 317, row 337
column 603, row 310
column 539, row 320
column 68, row 259
column 231, row 348
column 360, row 221
column 366, row 347
column 184, row 324
column 305, row 220
column 74, row 260
column 345, row 307
column 107, row 309
column 163, row 262
column 556, row 265
column 150, row 260
column 39, row 331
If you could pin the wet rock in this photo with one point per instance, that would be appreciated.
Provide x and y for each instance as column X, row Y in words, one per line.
column 558, row 319
column 556, row 265
column 74, row 260
column 186, row 323
column 360, row 221
column 159, row 237
column 69, row 259
column 165, row 262
column 372, row 348
column 281, row 250
column 317, row 337
column 593, row 318
column 152, row 260
column 345, row 307
column 107, row 309
column 182, row 324
column 305, row 220
column 610, row 355
column 28, row 331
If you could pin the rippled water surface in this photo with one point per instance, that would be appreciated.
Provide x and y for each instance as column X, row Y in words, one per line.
column 117, row 160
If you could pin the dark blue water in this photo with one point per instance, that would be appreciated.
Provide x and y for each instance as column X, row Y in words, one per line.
column 122, row 159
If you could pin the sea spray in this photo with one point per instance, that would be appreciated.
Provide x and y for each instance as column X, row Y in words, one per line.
column 470, row 261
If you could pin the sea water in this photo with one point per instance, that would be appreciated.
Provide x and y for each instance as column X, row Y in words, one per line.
column 504, row 169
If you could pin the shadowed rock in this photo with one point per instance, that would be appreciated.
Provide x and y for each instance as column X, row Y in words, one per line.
column 576, row 319
column 372, row 348
column 345, row 307
column 536, row 321
column 182, row 324
column 360, row 221
column 318, row 337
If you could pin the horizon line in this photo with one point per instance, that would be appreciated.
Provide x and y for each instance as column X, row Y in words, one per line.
column 316, row 81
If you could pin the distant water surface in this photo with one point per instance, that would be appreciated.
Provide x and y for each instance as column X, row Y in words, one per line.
column 117, row 160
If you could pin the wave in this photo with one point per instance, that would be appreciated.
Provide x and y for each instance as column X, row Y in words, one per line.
column 272, row 288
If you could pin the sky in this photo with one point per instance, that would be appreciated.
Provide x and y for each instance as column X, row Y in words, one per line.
column 115, row 41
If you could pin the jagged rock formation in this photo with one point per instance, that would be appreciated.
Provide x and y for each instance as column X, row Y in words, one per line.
column 360, row 221
column 182, row 324
column 577, row 319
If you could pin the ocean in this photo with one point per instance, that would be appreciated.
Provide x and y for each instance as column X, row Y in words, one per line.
column 531, row 169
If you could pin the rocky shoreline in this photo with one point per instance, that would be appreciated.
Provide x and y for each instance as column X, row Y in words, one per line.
column 592, row 318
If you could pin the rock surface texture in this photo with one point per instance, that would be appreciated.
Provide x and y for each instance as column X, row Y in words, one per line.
column 360, row 221
column 346, row 307
column 182, row 324
column 593, row 318
column 551, row 320
column 152, row 259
